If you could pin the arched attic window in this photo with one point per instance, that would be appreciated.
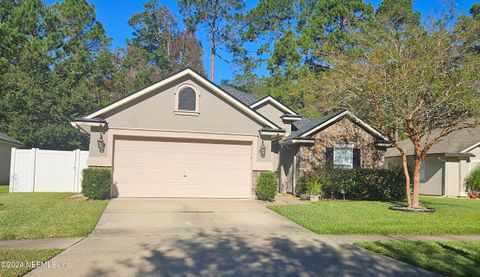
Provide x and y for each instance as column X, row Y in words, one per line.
column 187, row 100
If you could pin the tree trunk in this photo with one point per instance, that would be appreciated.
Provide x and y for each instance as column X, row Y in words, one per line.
column 212, row 66
column 407, row 179
column 212, row 56
column 416, row 183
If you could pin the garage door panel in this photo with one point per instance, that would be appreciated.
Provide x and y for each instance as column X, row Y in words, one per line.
column 158, row 168
column 235, row 176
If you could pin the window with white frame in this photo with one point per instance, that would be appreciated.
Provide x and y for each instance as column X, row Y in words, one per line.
column 187, row 100
column 343, row 157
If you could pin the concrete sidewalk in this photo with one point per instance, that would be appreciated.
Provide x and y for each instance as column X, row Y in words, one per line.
column 61, row 243
column 358, row 238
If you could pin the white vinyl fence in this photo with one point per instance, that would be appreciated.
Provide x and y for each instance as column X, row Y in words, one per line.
column 36, row 170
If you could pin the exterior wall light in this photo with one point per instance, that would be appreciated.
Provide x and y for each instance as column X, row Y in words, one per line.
column 101, row 144
column 263, row 150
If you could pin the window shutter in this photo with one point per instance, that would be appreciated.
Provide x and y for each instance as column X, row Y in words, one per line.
column 356, row 158
column 329, row 157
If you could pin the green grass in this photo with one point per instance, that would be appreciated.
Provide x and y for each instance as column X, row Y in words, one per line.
column 46, row 215
column 11, row 260
column 3, row 188
column 452, row 216
column 446, row 258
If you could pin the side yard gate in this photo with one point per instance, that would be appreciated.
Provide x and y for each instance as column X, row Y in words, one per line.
column 36, row 170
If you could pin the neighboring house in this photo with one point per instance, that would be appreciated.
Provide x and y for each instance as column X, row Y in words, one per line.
column 447, row 165
column 184, row 136
column 6, row 145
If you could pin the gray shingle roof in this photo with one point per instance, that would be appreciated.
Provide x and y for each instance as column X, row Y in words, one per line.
column 301, row 123
column 455, row 142
column 246, row 98
column 10, row 140
column 306, row 124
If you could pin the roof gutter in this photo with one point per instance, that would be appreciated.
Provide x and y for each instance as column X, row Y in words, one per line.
column 288, row 117
column 297, row 141
column 12, row 143
column 443, row 155
column 271, row 132
column 383, row 144
column 85, row 126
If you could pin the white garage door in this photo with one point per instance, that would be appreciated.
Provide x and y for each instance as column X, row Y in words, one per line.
column 156, row 168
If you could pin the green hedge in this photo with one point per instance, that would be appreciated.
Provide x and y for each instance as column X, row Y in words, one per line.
column 96, row 183
column 359, row 184
column 267, row 185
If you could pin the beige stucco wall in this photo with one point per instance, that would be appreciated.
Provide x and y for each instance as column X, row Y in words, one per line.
column 452, row 177
column 5, row 153
column 94, row 138
column 443, row 176
column 274, row 114
column 155, row 115
column 463, row 180
column 434, row 174
column 157, row 111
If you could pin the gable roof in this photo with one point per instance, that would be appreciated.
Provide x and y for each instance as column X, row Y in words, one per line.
column 9, row 140
column 246, row 98
column 193, row 74
column 307, row 127
column 274, row 102
column 458, row 142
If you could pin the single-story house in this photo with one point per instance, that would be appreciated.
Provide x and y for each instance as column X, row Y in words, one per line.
column 447, row 165
column 185, row 136
column 6, row 145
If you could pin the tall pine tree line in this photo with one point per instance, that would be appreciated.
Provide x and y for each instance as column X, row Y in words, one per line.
column 56, row 62
column 55, row 65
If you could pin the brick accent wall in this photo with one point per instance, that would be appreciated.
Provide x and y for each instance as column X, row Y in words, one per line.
column 343, row 132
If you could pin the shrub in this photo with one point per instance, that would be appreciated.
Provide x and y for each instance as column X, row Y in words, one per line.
column 318, row 176
column 474, row 179
column 267, row 185
column 96, row 183
column 313, row 187
column 363, row 184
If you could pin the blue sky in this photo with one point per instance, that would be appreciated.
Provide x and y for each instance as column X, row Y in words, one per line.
column 114, row 15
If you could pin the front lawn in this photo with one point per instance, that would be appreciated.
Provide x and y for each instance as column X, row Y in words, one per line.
column 3, row 188
column 445, row 258
column 17, row 262
column 453, row 216
column 46, row 215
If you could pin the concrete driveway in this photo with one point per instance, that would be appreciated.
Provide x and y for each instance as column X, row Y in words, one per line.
column 188, row 237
